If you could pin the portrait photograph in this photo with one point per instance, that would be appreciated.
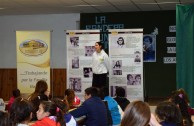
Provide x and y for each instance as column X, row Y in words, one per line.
column 74, row 41
column 149, row 48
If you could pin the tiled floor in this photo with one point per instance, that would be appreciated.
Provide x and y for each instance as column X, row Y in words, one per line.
column 155, row 101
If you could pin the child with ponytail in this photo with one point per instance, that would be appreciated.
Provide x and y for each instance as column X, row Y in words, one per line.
column 49, row 114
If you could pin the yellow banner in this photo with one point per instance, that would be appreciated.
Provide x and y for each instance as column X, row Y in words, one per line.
column 33, row 59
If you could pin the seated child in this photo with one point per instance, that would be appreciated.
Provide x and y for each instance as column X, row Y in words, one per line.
column 72, row 99
column 63, row 105
column 20, row 112
column 137, row 113
column 168, row 114
column 15, row 94
column 179, row 99
column 4, row 119
column 112, row 106
column 120, row 98
column 49, row 114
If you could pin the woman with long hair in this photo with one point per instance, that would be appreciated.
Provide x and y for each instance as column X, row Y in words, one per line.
column 137, row 113
column 41, row 93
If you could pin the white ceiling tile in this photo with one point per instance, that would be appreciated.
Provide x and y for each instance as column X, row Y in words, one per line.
column 126, row 8
column 187, row 1
column 73, row 2
column 122, row 3
column 168, row 6
column 97, row 2
column 143, row 1
column 13, row 7
column 5, row 4
column 107, row 9
column 166, row 1
column 147, row 7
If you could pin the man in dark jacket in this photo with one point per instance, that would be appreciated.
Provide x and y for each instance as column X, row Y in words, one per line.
column 93, row 108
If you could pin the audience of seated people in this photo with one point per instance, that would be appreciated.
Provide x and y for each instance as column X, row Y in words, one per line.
column 120, row 98
column 93, row 108
column 41, row 93
column 112, row 105
column 15, row 94
column 22, row 112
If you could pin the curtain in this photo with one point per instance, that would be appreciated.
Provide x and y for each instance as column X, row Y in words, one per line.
column 185, row 49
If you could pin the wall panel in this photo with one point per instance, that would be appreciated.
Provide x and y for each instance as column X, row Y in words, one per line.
column 8, row 82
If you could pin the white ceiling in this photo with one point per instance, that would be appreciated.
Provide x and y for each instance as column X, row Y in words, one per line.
column 27, row 7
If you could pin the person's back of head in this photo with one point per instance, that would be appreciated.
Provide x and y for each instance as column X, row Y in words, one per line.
column 169, row 113
column 4, row 119
column 91, row 91
column 69, row 96
column 40, row 89
column 62, row 104
column 179, row 100
column 53, row 110
column 16, row 93
column 104, row 91
column 182, row 91
column 136, row 113
column 20, row 111
column 120, row 92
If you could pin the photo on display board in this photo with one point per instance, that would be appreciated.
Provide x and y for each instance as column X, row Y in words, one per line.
column 121, row 42
column 74, row 41
column 113, row 90
column 137, row 56
column 117, row 72
column 75, row 84
column 87, row 72
column 75, row 63
column 118, row 42
column 89, row 50
column 133, row 79
column 117, row 64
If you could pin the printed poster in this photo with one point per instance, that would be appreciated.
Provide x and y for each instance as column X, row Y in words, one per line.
column 33, row 59
column 126, row 62
column 80, row 47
